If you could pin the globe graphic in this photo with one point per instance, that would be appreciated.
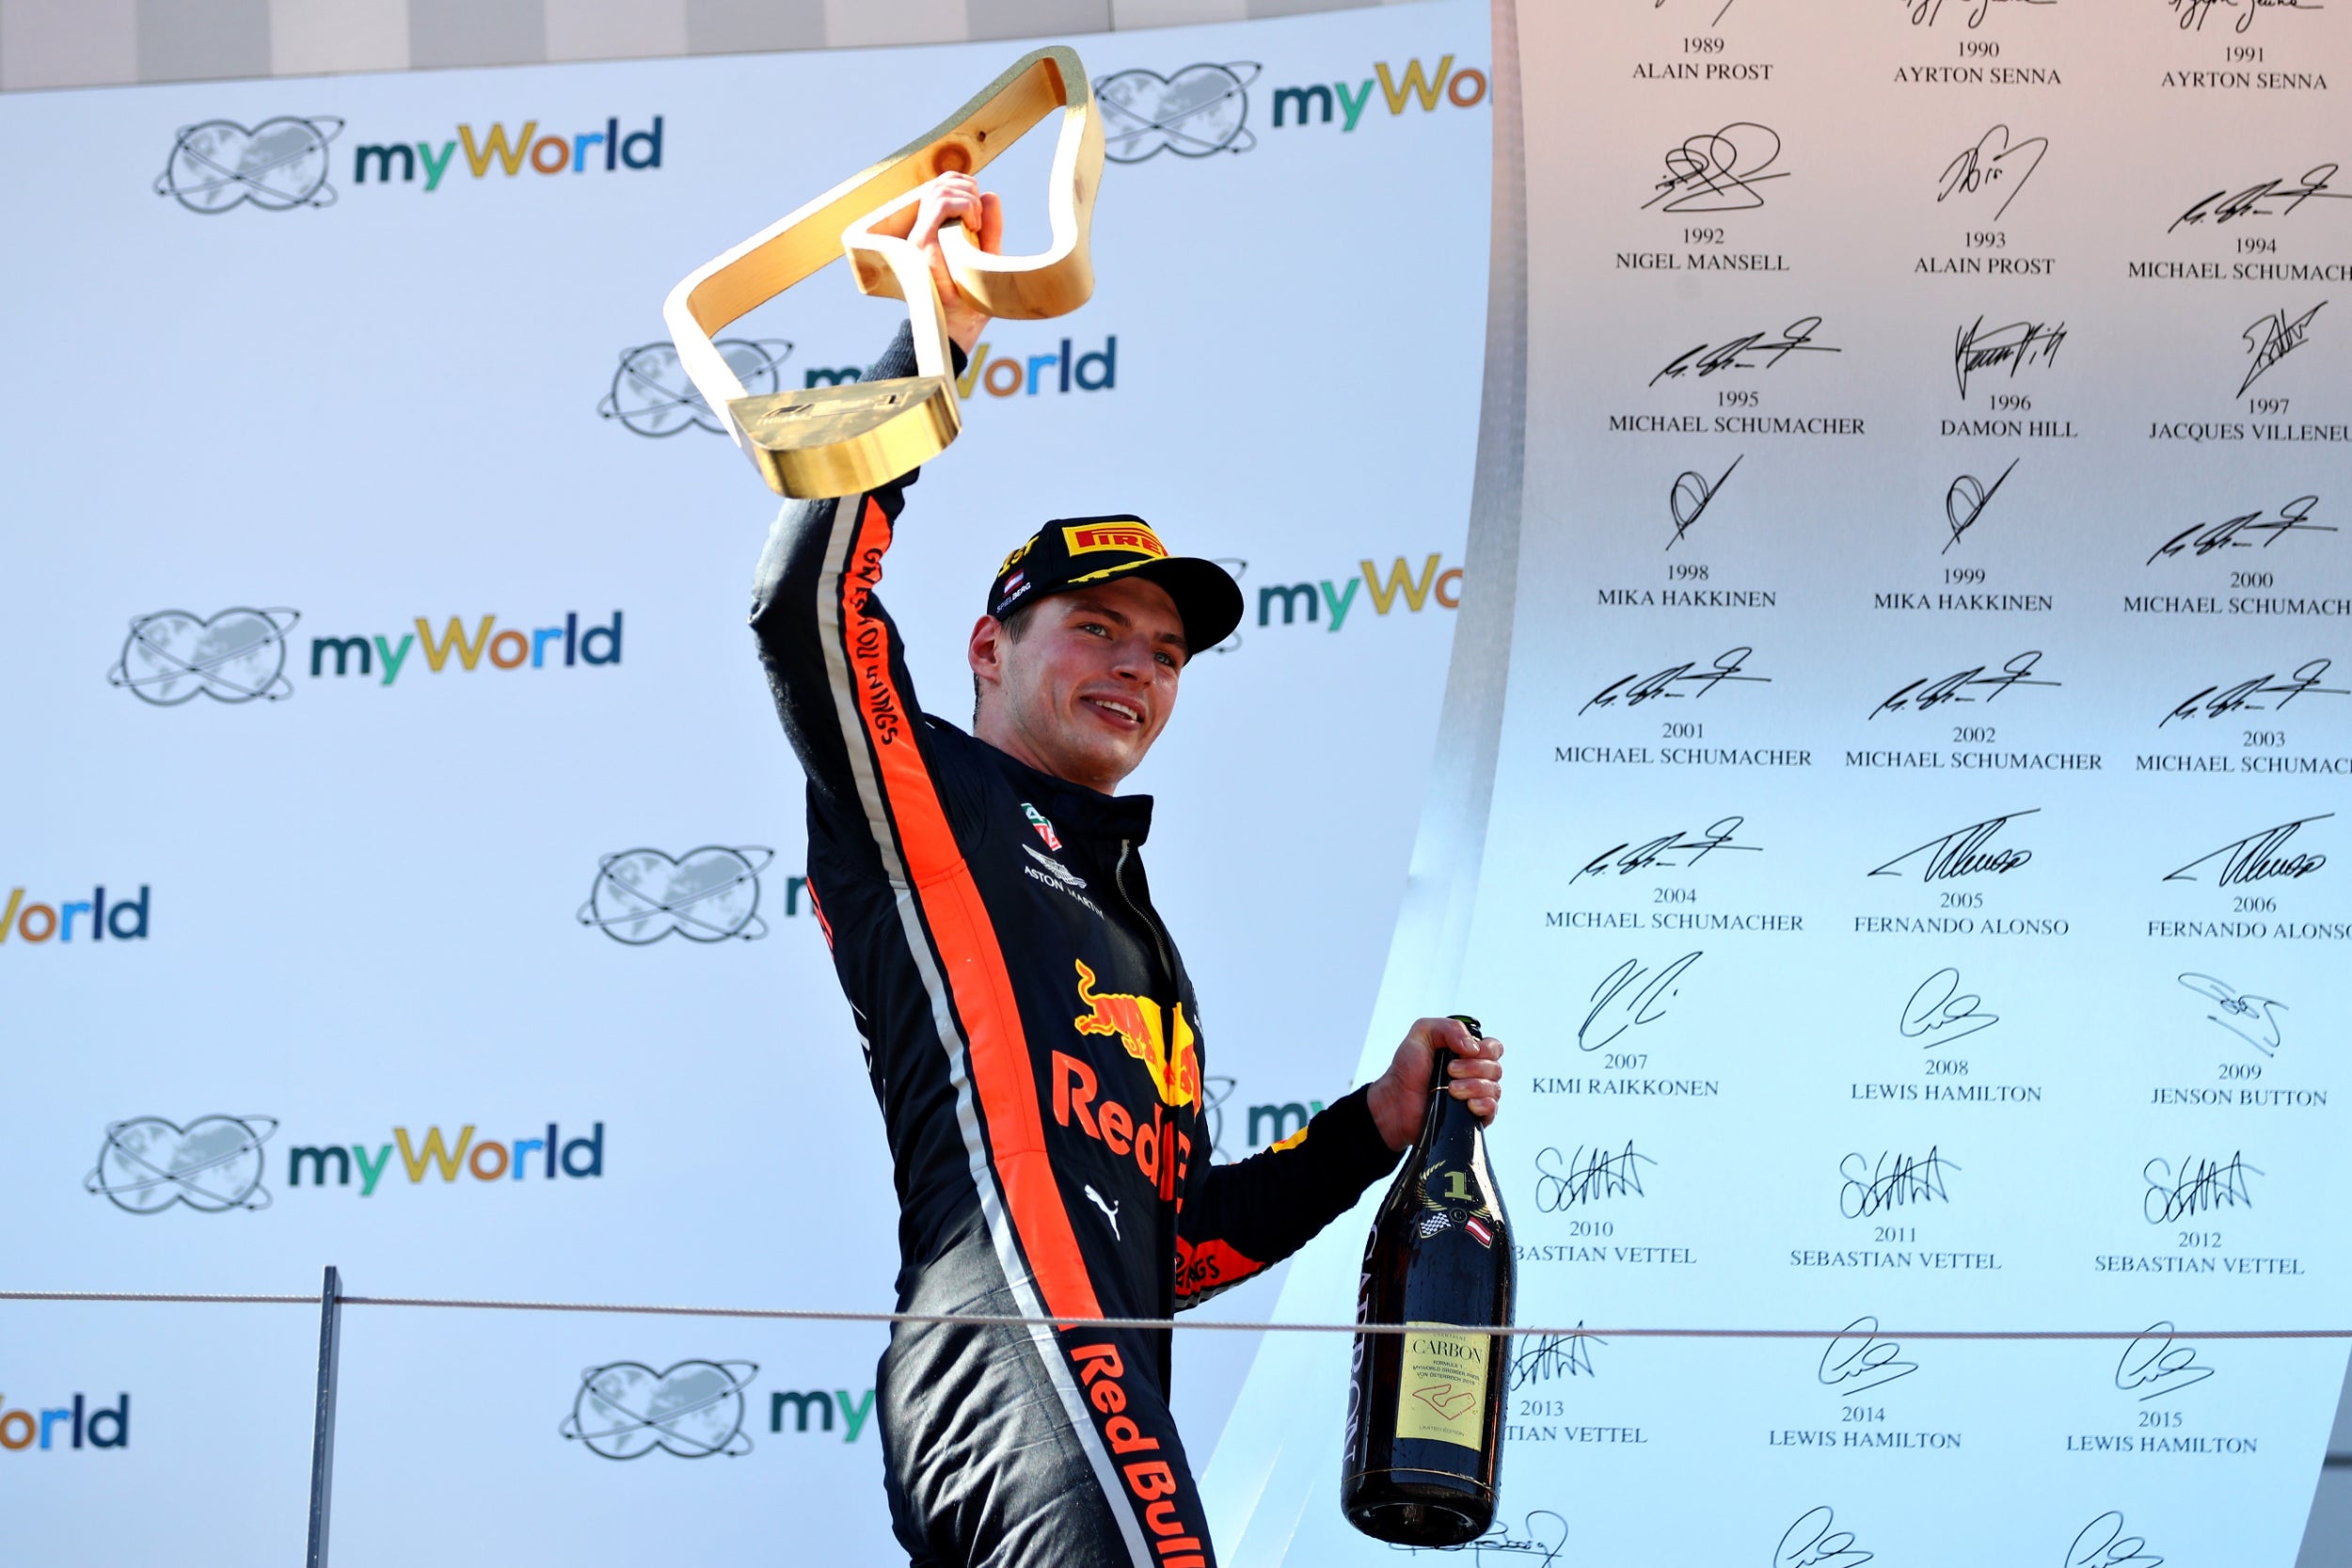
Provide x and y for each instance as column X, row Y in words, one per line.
column 233, row 656
column 214, row 1164
column 1201, row 110
column 707, row 894
column 694, row 1410
column 652, row 394
column 278, row 163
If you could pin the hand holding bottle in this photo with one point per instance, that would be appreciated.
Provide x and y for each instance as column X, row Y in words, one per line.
column 1399, row 1098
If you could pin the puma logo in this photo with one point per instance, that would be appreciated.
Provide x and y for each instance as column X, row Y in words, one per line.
column 1110, row 1210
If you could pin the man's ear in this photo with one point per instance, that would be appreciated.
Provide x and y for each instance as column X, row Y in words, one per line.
column 986, row 650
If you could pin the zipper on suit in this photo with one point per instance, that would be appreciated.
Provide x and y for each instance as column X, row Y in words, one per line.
column 1168, row 1212
column 1151, row 923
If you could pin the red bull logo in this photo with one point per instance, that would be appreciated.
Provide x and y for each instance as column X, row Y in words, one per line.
column 1136, row 1022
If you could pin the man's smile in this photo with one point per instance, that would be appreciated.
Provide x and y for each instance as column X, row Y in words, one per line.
column 1122, row 715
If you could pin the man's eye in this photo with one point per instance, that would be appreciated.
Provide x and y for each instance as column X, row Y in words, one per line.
column 1168, row 659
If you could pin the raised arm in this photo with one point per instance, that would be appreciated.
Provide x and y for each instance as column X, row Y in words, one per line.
column 832, row 654
column 820, row 625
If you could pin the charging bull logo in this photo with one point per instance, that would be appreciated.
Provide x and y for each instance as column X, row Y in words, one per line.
column 1136, row 1022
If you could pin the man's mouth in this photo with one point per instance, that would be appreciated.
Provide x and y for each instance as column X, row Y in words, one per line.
column 1118, row 713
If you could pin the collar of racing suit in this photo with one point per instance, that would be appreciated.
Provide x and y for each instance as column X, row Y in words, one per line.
column 1074, row 809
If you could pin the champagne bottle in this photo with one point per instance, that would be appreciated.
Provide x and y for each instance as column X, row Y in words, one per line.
column 1424, row 1411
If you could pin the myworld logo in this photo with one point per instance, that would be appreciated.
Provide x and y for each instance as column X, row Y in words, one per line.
column 217, row 1164
column 695, row 1410
column 175, row 656
column 507, row 648
column 1060, row 371
column 484, row 1160
column 34, row 923
column 606, row 151
column 81, row 1424
column 1465, row 88
column 1433, row 583
column 1204, row 109
column 283, row 162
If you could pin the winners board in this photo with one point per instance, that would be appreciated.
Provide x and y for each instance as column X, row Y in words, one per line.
column 1915, row 888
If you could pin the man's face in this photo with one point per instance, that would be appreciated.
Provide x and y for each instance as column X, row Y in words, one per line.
column 1089, row 685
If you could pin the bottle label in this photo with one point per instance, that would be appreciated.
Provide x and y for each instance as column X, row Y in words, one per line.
column 1442, row 1397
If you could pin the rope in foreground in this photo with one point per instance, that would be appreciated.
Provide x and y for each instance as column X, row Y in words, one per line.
column 1580, row 1331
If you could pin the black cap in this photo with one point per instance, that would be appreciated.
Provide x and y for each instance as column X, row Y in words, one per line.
column 1072, row 552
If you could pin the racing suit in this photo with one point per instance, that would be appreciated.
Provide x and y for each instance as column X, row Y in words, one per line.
column 1033, row 1041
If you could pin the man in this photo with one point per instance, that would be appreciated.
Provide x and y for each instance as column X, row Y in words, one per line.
column 1029, row 1029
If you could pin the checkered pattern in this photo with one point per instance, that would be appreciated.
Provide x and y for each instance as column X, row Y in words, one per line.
column 77, row 43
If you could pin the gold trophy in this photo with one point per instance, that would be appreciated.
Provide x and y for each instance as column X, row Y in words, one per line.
column 842, row 440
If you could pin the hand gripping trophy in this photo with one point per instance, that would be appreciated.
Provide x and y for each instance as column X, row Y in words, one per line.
column 1029, row 1030
column 843, row 440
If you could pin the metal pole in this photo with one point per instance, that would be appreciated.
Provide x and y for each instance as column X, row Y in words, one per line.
column 323, row 1432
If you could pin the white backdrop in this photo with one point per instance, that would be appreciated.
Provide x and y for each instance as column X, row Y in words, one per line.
column 263, row 402
column 1867, row 988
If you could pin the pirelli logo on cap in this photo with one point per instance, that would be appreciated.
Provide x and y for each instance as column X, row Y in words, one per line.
column 1132, row 537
